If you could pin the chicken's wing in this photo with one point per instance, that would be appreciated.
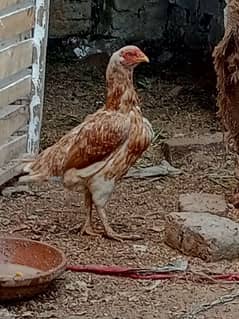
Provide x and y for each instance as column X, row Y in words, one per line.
column 91, row 142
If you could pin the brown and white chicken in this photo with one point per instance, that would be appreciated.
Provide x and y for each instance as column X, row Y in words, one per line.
column 98, row 153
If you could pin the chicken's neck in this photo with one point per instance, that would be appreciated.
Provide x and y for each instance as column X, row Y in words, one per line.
column 121, row 95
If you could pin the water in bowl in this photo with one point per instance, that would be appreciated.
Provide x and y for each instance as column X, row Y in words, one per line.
column 16, row 271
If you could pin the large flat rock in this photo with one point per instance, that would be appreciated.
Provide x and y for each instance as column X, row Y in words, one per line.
column 196, row 142
column 183, row 145
column 203, row 235
column 203, row 202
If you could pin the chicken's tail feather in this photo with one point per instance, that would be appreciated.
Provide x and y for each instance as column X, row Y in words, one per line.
column 42, row 168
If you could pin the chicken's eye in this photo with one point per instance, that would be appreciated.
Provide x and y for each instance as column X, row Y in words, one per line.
column 130, row 54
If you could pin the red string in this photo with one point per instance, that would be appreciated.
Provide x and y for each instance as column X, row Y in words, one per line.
column 147, row 274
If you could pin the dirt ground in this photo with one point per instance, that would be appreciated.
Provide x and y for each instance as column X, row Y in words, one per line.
column 72, row 91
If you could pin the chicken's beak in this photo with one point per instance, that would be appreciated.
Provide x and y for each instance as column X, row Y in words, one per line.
column 142, row 58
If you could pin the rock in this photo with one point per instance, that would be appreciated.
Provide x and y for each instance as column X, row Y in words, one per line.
column 13, row 190
column 164, row 169
column 204, row 235
column 175, row 91
column 5, row 314
column 203, row 202
column 198, row 141
column 185, row 144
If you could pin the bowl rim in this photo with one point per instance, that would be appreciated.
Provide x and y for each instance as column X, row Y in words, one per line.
column 42, row 277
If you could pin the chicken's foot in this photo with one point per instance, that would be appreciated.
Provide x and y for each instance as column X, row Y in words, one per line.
column 87, row 227
column 109, row 232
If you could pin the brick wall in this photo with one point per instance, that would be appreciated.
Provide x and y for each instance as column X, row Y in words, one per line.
column 191, row 22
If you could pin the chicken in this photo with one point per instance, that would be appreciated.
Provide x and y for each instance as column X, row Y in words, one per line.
column 226, row 61
column 96, row 154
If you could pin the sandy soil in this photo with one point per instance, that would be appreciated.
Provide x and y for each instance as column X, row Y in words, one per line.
column 72, row 91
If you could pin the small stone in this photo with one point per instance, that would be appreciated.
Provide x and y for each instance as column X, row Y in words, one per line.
column 175, row 91
column 203, row 202
column 5, row 314
column 140, row 248
column 204, row 235
column 13, row 190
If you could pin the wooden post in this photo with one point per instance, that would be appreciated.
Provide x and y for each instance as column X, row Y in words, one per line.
column 38, row 74
column 225, row 14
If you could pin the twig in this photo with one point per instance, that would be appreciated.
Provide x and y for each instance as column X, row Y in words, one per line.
column 72, row 117
column 216, row 182
column 204, row 307
column 221, row 176
column 202, row 276
column 169, row 116
column 20, row 228
column 54, row 210
column 75, row 205
column 153, row 286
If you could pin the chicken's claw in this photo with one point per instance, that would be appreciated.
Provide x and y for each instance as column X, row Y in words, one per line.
column 88, row 230
column 120, row 237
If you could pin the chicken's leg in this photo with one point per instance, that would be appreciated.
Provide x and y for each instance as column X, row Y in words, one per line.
column 87, row 228
column 109, row 232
